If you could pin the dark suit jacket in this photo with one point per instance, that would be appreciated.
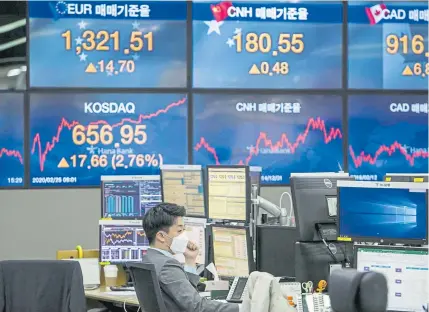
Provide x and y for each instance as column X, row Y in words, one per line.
column 179, row 287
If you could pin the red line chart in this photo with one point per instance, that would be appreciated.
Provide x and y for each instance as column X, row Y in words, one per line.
column 11, row 153
column 359, row 160
column 313, row 124
column 68, row 125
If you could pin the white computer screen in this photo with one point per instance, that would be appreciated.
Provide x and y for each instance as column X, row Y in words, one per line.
column 230, row 251
column 406, row 271
column 196, row 232
column 227, row 193
column 183, row 185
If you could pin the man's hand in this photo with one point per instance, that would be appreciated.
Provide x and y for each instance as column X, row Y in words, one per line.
column 191, row 254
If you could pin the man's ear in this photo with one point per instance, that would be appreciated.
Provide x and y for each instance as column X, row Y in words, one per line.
column 160, row 237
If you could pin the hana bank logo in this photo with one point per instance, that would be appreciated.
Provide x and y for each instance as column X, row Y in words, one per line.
column 377, row 13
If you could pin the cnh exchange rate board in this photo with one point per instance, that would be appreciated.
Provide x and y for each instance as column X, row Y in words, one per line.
column 76, row 138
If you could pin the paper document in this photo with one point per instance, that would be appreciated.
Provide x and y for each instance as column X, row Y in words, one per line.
column 90, row 270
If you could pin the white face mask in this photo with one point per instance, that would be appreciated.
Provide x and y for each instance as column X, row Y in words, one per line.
column 179, row 244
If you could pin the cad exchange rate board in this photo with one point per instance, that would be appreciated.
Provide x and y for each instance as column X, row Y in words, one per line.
column 271, row 45
column 388, row 45
column 280, row 133
column 76, row 138
column 11, row 139
column 107, row 44
column 387, row 134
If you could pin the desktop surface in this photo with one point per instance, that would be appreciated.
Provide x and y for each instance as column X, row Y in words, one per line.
column 228, row 193
column 183, row 185
column 230, row 251
column 382, row 214
column 125, row 198
column 406, row 271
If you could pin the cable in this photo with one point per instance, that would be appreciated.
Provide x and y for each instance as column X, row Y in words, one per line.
column 289, row 218
column 125, row 306
column 326, row 244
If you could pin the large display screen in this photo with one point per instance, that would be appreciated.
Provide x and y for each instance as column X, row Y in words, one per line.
column 11, row 139
column 388, row 45
column 267, row 44
column 387, row 134
column 280, row 133
column 106, row 44
column 76, row 138
column 382, row 213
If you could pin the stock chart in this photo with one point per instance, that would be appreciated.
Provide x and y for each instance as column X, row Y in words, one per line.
column 387, row 134
column 388, row 45
column 274, row 45
column 280, row 133
column 107, row 44
column 76, row 138
column 11, row 139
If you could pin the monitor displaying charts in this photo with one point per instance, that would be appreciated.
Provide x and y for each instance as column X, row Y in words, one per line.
column 129, row 197
column 183, row 185
column 196, row 231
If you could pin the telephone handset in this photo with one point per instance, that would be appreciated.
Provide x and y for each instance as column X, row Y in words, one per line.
column 238, row 290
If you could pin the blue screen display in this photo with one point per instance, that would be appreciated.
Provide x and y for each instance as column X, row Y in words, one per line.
column 11, row 139
column 76, row 138
column 280, row 133
column 103, row 44
column 384, row 213
column 388, row 45
column 387, row 134
column 273, row 45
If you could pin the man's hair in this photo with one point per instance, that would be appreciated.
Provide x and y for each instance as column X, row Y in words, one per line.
column 161, row 218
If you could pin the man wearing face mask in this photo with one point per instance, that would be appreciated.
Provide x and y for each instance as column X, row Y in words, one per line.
column 165, row 231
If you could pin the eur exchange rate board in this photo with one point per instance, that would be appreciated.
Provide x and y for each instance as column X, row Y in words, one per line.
column 388, row 45
column 267, row 44
column 76, row 138
column 280, row 133
column 387, row 134
column 11, row 139
column 103, row 44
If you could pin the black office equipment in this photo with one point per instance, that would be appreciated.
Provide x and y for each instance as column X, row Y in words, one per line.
column 147, row 287
column 238, row 290
column 314, row 197
column 275, row 250
column 314, row 261
column 352, row 291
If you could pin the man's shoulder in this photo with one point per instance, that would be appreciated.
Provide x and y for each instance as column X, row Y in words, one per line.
column 158, row 259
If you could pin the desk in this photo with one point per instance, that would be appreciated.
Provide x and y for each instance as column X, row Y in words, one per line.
column 114, row 301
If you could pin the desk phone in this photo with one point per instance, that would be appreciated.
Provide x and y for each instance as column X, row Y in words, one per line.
column 238, row 290
column 293, row 289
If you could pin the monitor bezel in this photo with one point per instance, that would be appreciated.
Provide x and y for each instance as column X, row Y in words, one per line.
column 100, row 249
column 250, row 260
column 356, row 248
column 369, row 239
column 179, row 168
column 258, row 170
column 248, row 192
column 120, row 178
column 400, row 177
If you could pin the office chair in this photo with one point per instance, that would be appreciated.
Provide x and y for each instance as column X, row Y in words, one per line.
column 353, row 291
column 48, row 286
column 147, row 287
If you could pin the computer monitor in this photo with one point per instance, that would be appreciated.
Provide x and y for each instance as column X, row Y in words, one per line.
column 129, row 197
column 183, row 185
column 196, row 232
column 228, row 193
column 406, row 177
column 314, row 261
column 232, row 250
column 314, row 203
column 406, row 271
column 386, row 212
column 122, row 241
